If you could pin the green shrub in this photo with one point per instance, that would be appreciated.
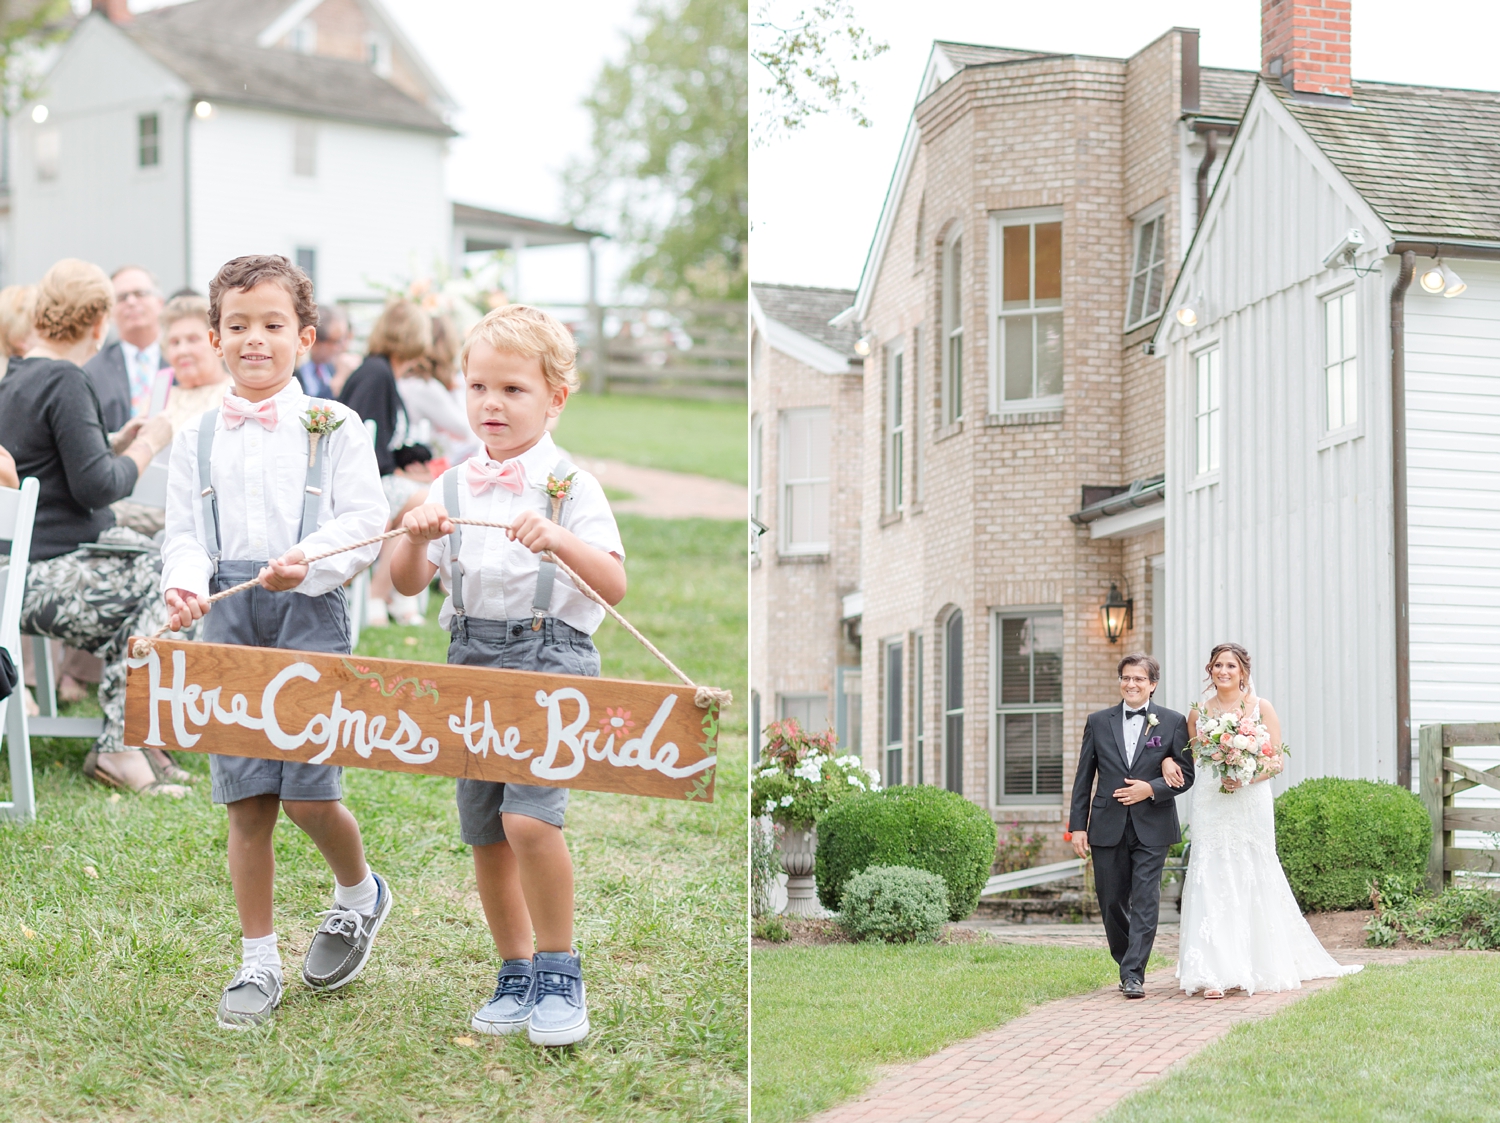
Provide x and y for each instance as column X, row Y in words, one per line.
column 1335, row 837
column 896, row 904
column 923, row 827
column 772, row 929
column 1470, row 916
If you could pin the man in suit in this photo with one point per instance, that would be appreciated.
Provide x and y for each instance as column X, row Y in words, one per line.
column 1138, row 752
column 123, row 372
column 320, row 369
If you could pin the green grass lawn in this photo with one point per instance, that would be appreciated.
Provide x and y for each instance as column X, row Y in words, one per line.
column 825, row 1017
column 108, row 980
column 1410, row 1044
column 706, row 438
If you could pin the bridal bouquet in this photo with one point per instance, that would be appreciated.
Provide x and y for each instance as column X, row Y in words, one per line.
column 1233, row 747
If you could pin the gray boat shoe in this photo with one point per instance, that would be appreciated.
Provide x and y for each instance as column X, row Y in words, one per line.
column 561, row 1013
column 251, row 997
column 341, row 945
column 509, row 1010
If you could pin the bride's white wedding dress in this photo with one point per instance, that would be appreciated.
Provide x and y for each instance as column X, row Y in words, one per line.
column 1241, row 926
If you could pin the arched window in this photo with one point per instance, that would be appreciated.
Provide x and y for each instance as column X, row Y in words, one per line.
column 953, row 703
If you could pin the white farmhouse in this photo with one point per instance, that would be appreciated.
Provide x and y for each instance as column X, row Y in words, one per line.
column 182, row 137
column 1333, row 411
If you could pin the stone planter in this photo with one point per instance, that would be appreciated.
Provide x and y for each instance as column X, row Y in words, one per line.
column 798, row 848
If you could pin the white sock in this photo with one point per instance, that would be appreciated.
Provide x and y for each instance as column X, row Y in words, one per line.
column 261, row 950
column 361, row 898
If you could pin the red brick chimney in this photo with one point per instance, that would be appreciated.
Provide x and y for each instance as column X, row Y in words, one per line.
column 1305, row 43
column 116, row 11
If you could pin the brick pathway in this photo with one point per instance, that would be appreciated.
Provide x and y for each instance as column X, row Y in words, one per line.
column 1069, row 1060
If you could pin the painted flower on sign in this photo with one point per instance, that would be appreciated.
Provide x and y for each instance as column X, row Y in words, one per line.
column 616, row 721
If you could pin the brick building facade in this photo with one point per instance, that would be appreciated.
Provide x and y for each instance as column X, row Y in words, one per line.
column 1012, row 422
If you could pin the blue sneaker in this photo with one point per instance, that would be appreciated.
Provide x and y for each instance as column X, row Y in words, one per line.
column 561, row 1013
column 510, row 1009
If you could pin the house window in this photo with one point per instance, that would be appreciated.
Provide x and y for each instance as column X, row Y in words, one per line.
column 918, row 707
column 953, row 332
column 378, row 54
column 48, row 153
column 895, row 432
column 1340, row 366
column 148, row 140
column 804, row 481
column 953, row 703
column 305, row 148
column 917, row 383
column 307, row 261
column 810, row 710
column 1028, row 718
column 1029, row 322
column 303, row 38
column 895, row 695
column 1148, row 274
column 1206, row 410
column 848, row 696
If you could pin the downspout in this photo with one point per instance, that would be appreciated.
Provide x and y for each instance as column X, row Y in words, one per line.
column 1211, row 152
column 1398, row 517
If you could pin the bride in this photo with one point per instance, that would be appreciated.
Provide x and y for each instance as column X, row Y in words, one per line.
column 1241, row 927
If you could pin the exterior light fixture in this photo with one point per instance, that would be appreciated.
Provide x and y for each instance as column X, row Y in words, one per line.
column 203, row 110
column 1118, row 614
column 1453, row 283
column 862, row 346
column 1187, row 317
column 39, row 114
column 1432, row 279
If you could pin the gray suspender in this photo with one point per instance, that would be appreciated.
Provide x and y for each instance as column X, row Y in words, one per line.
column 312, row 494
column 546, row 571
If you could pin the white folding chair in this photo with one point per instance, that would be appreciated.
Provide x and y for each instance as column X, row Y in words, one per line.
column 17, row 514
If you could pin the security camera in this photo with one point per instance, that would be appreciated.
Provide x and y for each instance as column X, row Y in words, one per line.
column 1343, row 253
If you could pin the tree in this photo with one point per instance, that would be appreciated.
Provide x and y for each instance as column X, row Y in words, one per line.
column 669, row 171
column 26, row 26
column 798, row 57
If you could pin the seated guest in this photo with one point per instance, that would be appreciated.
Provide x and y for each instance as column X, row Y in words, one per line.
column 199, row 377
column 17, row 303
column 319, row 370
column 124, row 372
column 89, row 584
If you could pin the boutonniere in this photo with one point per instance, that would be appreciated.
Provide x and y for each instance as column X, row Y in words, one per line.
column 1152, row 720
column 558, row 490
column 319, row 421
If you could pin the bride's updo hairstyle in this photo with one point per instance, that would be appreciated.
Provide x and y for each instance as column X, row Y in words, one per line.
column 1239, row 653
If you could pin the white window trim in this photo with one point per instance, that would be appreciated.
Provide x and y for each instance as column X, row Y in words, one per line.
column 999, row 405
column 784, row 545
column 1211, row 475
column 887, row 745
column 997, row 800
column 893, row 436
column 943, row 779
column 1155, row 210
column 1355, row 428
column 952, row 413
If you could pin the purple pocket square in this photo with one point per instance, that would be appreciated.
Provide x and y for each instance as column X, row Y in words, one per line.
column 1154, row 743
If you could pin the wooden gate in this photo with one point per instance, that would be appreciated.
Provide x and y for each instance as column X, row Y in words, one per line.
column 1438, row 790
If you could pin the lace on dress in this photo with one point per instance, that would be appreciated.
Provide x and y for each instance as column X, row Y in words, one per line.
column 1241, row 926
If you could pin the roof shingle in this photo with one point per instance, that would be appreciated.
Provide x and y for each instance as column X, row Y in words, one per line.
column 808, row 310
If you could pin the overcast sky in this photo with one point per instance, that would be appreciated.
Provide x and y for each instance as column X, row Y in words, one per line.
column 815, row 198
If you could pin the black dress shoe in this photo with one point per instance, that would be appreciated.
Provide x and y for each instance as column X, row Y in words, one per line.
column 1133, row 988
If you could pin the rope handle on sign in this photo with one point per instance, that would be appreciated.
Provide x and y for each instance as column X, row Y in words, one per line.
column 704, row 696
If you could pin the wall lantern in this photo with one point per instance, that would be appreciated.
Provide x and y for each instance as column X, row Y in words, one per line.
column 1187, row 317
column 1118, row 614
column 862, row 346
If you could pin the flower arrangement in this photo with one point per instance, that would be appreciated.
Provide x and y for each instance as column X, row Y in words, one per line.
column 319, row 421
column 803, row 774
column 1233, row 747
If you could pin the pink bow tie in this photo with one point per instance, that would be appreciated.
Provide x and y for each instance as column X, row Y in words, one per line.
column 237, row 411
column 485, row 474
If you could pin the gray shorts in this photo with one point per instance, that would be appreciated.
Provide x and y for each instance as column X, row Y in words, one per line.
column 511, row 645
column 260, row 618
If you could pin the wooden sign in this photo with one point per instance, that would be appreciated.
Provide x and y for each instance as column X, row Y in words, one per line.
column 523, row 727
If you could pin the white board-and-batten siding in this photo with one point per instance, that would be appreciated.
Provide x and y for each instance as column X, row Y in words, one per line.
column 1286, row 548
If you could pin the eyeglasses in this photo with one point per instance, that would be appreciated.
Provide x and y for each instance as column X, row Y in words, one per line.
column 134, row 294
column 1132, row 680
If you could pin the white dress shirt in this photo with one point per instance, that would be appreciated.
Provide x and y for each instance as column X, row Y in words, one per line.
column 259, row 476
column 1132, row 729
column 500, row 575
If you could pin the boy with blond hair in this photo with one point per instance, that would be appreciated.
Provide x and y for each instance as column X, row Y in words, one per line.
column 510, row 608
column 256, row 486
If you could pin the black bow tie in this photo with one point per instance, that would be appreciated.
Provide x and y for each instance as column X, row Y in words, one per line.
column 1129, row 713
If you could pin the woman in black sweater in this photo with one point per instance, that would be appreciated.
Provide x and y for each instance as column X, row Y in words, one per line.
column 92, row 598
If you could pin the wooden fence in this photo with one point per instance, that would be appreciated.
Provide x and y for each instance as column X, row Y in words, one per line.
column 1438, row 791
column 682, row 351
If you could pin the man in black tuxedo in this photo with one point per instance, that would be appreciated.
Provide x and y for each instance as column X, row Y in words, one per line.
column 122, row 373
column 1138, row 751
